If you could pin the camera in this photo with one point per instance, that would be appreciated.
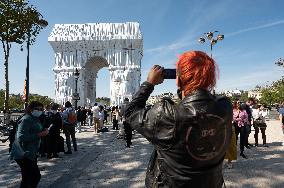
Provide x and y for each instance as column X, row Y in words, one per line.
column 169, row 73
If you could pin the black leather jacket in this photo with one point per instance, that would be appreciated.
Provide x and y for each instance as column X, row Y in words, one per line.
column 185, row 155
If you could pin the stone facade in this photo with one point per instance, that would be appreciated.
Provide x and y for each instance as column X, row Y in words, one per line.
column 91, row 47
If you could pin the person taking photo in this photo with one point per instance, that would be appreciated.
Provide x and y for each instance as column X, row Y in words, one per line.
column 190, row 138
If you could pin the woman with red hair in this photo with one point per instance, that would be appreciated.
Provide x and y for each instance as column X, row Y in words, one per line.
column 190, row 138
column 196, row 70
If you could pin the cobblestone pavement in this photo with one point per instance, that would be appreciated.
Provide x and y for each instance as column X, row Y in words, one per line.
column 103, row 161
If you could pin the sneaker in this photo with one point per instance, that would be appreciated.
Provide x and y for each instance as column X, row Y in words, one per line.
column 265, row 145
column 68, row 152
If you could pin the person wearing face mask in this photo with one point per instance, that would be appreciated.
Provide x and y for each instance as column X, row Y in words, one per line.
column 29, row 132
column 190, row 138
column 53, row 137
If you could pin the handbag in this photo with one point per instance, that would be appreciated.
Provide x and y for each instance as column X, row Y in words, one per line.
column 259, row 123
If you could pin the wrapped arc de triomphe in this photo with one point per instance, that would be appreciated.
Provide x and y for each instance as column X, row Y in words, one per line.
column 91, row 47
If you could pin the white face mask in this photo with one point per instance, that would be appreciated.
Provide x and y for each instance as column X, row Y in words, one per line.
column 36, row 113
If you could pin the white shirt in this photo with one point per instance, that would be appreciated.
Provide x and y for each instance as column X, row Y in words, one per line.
column 96, row 111
column 257, row 113
column 102, row 115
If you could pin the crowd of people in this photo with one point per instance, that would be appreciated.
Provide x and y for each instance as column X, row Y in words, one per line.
column 38, row 133
column 245, row 116
column 190, row 138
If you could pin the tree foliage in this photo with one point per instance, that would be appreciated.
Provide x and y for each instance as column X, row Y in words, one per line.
column 273, row 93
column 19, row 22
column 17, row 102
column 103, row 100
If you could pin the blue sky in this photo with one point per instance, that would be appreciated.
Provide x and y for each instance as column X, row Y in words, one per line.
column 253, row 41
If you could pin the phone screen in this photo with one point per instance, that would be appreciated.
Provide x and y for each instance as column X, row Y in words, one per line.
column 169, row 73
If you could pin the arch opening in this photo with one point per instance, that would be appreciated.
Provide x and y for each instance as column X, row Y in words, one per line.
column 91, row 69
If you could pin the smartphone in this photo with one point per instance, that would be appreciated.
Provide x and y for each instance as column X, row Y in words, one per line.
column 169, row 73
column 52, row 125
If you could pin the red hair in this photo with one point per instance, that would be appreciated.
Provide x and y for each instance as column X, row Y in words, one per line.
column 196, row 70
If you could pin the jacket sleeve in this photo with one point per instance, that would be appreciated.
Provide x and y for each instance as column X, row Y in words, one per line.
column 156, row 124
column 23, row 132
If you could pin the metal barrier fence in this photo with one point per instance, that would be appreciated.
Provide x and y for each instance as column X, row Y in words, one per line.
column 13, row 116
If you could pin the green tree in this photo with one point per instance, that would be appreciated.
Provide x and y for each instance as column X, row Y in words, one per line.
column 268, row 96
column 244, row 96
column 16, row 101
column 103, row 100
column 43, row 99
column 35, row 24
column 11, row 31
column 16, row 17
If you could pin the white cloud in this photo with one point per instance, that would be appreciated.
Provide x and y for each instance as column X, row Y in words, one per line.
column 255, row 28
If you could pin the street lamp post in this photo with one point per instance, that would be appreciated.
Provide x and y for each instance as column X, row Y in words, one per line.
column 76, row 94
column 210, row 37
column 27, row 80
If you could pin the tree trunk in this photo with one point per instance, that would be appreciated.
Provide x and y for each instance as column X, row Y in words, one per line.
column 6, row 100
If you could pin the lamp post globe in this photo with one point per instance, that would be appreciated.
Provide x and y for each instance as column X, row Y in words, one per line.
column 209, row 37
column 280, row 62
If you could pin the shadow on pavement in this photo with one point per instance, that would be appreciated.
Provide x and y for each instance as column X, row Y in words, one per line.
column 263, row 163
column 101, row 161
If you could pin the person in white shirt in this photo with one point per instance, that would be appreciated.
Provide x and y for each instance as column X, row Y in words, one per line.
column 96, row 117
column 259, row 123
column 101, row 117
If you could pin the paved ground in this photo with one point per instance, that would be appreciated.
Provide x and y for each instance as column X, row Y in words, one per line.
column 103, row 161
